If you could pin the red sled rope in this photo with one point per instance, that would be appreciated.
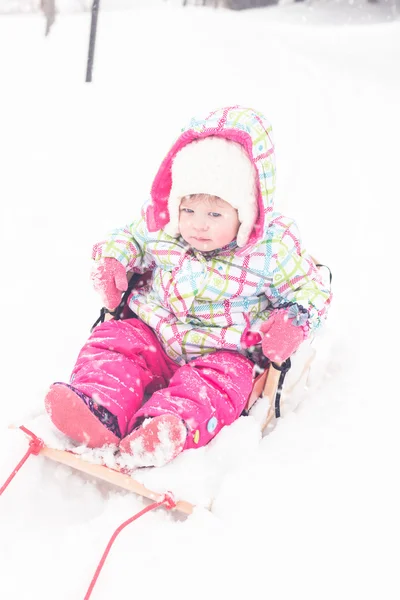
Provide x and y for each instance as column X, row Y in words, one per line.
column 35, row 447
column 167, row 500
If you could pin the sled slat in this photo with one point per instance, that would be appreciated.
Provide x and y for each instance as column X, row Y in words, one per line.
column 257, row 391
column 110, row 475
column 269, row 391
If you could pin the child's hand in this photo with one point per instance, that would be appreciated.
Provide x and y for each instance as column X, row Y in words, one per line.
column 109, row 280
column 283, row 334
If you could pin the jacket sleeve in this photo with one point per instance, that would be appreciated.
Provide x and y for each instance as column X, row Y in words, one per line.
column 129, row 245
column 293, row 277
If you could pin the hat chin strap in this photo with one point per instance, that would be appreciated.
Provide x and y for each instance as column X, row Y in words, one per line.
column 243, row 236
column 172, row 228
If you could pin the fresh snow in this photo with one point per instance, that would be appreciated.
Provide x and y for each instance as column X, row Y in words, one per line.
column 312, row 509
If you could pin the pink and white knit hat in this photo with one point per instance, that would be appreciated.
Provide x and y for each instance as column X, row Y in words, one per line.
column 219, row 167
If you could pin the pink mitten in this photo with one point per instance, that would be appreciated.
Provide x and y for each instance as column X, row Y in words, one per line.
column 109, row 280
column 283, row 333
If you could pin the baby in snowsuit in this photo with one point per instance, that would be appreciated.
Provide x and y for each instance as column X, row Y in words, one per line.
column 228, row 277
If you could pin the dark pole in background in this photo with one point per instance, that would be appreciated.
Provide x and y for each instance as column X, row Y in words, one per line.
column 92, row 40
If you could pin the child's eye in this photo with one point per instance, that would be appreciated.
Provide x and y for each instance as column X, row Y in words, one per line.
column 186, row 210
column 213, row 214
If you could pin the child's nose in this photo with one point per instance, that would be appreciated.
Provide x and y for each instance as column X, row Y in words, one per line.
column 201, row 224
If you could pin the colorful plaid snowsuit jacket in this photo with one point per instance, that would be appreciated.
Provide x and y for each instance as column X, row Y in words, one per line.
column 200, row 302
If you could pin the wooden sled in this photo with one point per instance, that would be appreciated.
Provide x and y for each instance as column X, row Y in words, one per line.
column 265, row 385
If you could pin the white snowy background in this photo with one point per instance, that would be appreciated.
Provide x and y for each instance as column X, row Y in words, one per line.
column 311, row 510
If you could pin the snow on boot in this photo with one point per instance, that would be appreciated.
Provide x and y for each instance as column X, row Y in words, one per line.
column 71, row 415
column 156, row 442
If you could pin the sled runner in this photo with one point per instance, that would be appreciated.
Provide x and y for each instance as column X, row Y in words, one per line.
column 113, row 476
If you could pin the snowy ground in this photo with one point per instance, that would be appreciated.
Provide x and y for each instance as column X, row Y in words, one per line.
column 311, row 510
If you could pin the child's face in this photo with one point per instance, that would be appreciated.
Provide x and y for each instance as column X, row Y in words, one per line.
column 207, row 222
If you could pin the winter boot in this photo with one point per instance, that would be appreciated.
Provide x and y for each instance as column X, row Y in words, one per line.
column 78, row 417
column 156, row 442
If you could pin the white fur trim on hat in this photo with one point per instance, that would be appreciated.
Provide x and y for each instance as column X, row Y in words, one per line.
column 219, row 167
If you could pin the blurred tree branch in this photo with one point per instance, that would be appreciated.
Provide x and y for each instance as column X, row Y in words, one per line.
column 49, row 10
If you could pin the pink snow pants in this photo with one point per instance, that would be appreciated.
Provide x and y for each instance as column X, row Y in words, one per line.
column 123, row 361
